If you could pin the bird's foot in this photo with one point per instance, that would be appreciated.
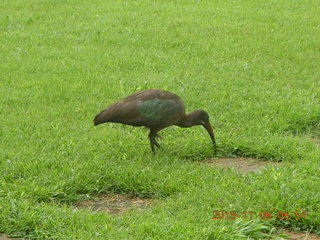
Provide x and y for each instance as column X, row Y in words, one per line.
column 158, row 136
column 154, row 142
column 157, row 144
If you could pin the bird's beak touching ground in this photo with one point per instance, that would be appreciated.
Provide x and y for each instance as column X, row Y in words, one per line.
column 208, row 127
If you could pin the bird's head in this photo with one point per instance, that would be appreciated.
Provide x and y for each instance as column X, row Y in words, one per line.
column 201, row 117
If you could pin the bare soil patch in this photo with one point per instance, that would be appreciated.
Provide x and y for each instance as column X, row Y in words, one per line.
column 316, row 140
column 316, row 133
column 294, row 235
column 242, row 164
column 5, row 237
column 115, row 204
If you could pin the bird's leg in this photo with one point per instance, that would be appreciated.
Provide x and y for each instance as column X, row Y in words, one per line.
column 155, row 142
column 152, row 137
column 152, row 143
column 158, row 136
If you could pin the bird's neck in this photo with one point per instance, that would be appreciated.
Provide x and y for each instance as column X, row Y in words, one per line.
column 187, row 121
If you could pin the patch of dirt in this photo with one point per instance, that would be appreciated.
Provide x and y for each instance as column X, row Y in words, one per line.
column 294, row 235
column 316, row 140
column 115, row 204
column 242, row 164
column 5, row 237
column 315, row 133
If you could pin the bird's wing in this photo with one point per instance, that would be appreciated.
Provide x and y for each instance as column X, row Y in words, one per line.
column 158, row 109
column 149, row 108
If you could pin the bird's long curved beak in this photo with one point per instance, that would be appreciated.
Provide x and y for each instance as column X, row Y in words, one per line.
column 208, row 127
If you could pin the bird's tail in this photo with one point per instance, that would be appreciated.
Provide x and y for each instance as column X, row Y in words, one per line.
column 101, row 118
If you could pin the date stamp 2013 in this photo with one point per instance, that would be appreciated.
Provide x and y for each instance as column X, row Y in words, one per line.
column 221, row 214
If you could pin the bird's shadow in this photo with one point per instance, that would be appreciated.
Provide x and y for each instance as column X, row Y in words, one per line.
column 198, row 155
column 186, row 154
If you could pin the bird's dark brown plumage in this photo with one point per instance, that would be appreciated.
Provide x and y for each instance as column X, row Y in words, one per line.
column 155, row 109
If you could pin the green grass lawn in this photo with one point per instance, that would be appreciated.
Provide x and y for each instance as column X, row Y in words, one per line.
column 253, row 65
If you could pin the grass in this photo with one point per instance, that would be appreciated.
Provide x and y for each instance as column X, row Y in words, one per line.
column 253, row 65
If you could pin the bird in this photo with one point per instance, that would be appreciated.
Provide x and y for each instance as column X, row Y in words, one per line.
column 155, row 109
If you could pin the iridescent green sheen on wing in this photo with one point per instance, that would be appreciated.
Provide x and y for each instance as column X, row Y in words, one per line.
column 158, row 109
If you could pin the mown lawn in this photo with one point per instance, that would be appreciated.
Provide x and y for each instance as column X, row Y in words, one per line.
column 253, row 65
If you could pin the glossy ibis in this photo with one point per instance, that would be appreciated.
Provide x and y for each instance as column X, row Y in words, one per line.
column 155, row 109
